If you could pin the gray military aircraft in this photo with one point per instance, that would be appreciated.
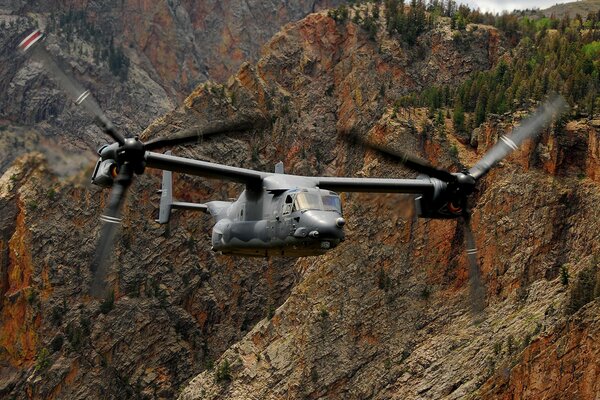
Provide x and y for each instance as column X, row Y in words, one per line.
column 277, row 214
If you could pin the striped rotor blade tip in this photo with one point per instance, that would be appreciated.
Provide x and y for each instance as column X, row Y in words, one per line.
column 30, row 40
column 529, row 128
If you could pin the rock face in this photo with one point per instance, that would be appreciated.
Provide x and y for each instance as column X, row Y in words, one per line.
column 50, row 346
column 571, row 9
column 562, row 362
column 385, row 315
column 139, row 58
column 172, row 314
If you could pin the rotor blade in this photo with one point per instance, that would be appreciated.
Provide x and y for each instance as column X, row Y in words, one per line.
column 111, row 221
column 194, row 134
column 477, row 289
column 528, row 129
column 33, row 45
column 414, row 163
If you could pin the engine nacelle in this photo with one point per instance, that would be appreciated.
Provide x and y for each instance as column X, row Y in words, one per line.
column 104, row 173
column 446, row 202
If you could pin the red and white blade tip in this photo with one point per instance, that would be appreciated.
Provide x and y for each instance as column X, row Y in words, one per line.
column 31, row 39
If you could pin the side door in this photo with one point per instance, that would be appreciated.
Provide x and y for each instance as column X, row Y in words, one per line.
column 285, row 222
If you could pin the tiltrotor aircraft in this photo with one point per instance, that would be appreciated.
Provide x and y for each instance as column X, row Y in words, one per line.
column 277, row 214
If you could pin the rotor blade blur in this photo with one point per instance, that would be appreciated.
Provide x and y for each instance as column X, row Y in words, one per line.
column 193, row 135
column 477, row 289
column 76, row 92
column 414, row 163
column 528, row 129
column 111, row 221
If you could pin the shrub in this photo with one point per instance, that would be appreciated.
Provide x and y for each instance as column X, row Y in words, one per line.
column 223, row 373
column 583, row 290
column 57, row 343
column 564, row 275
column 43, row 360
column 108, row 303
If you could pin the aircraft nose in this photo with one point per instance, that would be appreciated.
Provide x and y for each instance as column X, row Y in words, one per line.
column 325, row 225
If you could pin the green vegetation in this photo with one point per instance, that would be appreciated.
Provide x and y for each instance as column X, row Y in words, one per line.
column 339, row 14
column 323, row 312
column 497, row 348
column 42, row 360
column 32, row 205
column 118, row 61
column 454, row 151
column 52, row 194
column 383, row 280
column 56, row 315
column 75, row 24
column 108, row 303
column 426, row 292
column 32, row 297
column 564, row 274
column 407, row 23
column 57, row 343
column 526, row 340
column 510, row 344
column 74, row 335
column 592, row 50
column 550, row 55
column 223, row 373
column 585, row 288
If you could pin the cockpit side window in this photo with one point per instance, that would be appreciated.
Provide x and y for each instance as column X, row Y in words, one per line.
column 332, row 203
column 287, row 205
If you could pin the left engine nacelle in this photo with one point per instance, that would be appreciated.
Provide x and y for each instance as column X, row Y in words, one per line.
column 104, row 173
column 106, row 168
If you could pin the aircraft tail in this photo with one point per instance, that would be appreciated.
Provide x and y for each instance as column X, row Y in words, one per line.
column 166, row 200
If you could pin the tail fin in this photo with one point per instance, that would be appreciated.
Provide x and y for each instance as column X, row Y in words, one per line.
column 166, row 198
column 167, row 203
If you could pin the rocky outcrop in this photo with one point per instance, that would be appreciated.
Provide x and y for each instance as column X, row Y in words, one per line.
column 139, row 58
column 171, row 315
column 563, row 362
column 385, row 315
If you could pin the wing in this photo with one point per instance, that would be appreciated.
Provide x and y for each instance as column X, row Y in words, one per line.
column 255, row 178
column 377, row 185
column 204, row 168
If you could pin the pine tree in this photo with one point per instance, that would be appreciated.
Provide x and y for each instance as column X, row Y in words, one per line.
column 458, row 118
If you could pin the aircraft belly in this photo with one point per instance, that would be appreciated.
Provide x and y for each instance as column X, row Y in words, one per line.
column 249, row 231
column 290, row 247
column 265, row 238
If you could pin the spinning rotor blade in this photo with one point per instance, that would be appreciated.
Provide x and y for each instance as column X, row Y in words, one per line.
column 414, row 163
column 195, row 134
column 111, row 221
column 477, row 289
column 33, row 44
column 528, row 129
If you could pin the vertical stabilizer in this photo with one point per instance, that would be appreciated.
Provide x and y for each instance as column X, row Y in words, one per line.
column 166, row 196
column 279, row 168
column 166, row 199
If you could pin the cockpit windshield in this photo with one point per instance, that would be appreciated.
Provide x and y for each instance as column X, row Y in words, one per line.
column 308, row 201
column 332, row 203
column 317, row 201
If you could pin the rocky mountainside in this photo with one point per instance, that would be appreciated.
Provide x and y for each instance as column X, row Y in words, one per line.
column 385, row 315
column 582, row 7
column 139, row 58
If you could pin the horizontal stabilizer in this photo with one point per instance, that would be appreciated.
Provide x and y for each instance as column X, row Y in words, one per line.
column 190, row 206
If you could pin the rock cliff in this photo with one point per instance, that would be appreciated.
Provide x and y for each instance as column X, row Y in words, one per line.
column 385, row 315
column 139, row 58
